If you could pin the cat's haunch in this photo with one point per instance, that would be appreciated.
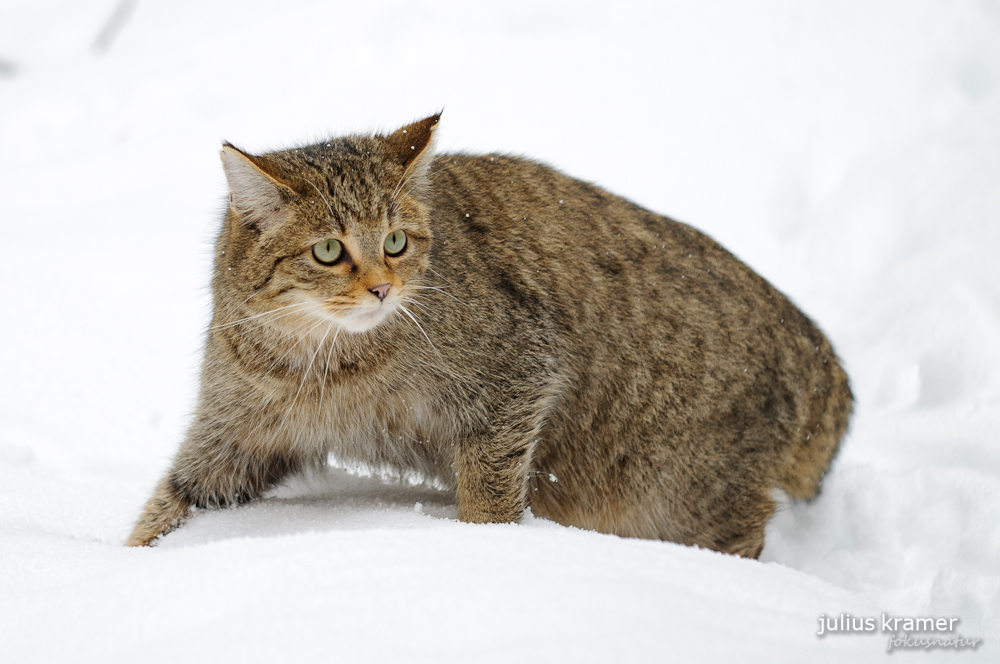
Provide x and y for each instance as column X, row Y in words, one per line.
column 521, row 337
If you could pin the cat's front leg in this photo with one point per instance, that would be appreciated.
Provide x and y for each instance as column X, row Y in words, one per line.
column 212, row 472
column 492, row 468
column 164, row 511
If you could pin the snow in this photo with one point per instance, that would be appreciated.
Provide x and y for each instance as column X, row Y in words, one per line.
column 849, row 152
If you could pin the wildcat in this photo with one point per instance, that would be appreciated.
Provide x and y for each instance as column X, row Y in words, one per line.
column 521, row 337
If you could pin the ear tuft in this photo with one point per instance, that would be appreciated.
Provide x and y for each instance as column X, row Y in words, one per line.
column 254, row 196
column 412, row 146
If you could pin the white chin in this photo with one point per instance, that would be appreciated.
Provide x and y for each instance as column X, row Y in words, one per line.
column 364, row 321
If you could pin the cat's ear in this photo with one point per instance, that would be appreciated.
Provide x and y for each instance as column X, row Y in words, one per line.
column 412, row 146
column 255, row 196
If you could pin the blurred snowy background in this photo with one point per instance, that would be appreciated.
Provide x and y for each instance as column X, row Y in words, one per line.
column 849, row 151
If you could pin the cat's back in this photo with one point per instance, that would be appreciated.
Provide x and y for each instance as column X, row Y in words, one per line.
column 586, row 256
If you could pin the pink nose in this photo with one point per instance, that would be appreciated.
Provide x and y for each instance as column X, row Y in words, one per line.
column 380, row 291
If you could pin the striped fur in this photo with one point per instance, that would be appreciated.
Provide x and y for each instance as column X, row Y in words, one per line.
column 543, row 343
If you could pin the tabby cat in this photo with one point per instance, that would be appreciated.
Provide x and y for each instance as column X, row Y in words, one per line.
column 521, row 337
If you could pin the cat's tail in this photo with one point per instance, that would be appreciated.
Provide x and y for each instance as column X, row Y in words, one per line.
column 816, row 443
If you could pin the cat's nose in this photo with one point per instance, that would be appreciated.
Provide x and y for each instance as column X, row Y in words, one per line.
column 380, row 291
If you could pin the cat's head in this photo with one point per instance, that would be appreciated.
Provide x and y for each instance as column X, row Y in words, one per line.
column 337, row 231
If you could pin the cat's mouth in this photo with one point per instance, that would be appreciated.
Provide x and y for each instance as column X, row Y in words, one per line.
column 361, row 319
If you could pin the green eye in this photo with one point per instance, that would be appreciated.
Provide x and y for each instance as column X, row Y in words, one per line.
column 395, row 242
column 328, row 251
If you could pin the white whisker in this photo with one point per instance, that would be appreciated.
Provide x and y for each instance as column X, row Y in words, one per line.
column 418, row 303
column 326, row 367
column 407, row 312
column 439, row 274
column 406, row 193
column 269, row 321
column 440, row 290
column 248, row 299
column 305, row 374
column 321, row 196
column 301, row 336
column 392, row 196
column 393, row 199
column 270, row 311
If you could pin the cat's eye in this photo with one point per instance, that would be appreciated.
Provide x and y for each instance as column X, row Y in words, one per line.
column 395, row 242
column 327, row 251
